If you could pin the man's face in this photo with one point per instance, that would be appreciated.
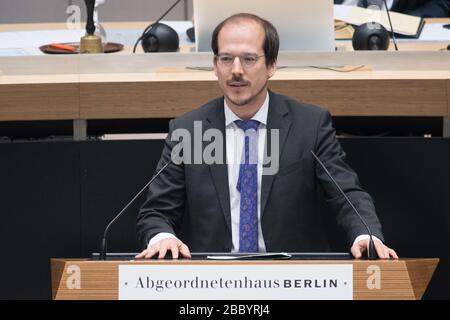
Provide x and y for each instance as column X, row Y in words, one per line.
column 242, row 84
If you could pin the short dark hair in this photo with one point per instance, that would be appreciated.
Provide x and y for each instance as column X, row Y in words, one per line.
column 271, row 40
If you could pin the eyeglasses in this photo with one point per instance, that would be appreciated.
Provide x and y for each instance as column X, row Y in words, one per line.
column 247, row 60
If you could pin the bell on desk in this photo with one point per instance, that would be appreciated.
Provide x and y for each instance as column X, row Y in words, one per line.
column 90, row 43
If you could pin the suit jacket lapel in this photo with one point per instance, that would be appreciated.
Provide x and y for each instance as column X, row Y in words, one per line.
column 219, row 172
column 277, row 118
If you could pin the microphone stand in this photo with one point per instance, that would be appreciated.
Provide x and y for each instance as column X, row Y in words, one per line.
column 371, row 251
column 103, row 249
column 390, row 23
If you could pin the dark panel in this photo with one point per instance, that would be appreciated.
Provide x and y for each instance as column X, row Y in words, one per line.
column 409, row 179
column 45, row 186
column 113, row 172
column 40, row 212
column 35, row 130
column 346, row 126
column 63, row 129
column 153, row 125
column 389, row 126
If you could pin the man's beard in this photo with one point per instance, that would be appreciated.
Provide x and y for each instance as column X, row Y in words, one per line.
column 243, row 102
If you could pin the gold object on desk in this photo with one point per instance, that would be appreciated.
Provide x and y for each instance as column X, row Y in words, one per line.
column 91, row 44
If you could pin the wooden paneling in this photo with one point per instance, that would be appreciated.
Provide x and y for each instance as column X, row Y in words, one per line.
column 371, row 97
column 45, row 101
column 419, row 275
column 144, row 99
column 168, row 99
column 418, row 97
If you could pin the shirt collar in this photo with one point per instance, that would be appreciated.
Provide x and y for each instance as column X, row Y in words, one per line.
column 260, row 116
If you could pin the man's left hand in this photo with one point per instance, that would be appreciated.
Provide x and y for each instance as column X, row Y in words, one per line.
column 383, row 251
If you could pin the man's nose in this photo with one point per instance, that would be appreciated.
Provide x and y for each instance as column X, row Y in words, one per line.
column 237, row 66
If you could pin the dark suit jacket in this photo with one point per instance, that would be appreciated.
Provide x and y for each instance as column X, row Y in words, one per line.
column 423, row 8
column 192, row 201
column 420, row 8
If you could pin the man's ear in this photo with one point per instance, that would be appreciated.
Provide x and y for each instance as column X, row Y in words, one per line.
column 215, row 66
column 272, row 69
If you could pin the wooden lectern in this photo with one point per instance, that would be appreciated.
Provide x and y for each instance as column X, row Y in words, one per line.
column 398, row 279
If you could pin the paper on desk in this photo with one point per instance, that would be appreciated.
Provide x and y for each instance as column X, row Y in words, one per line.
column 402, row 23
column 341, row 11
column 435, row 32
column 256, row 256
column 430, row 32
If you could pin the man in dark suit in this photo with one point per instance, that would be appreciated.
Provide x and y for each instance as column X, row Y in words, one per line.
column 250, row 205
column 420, row 8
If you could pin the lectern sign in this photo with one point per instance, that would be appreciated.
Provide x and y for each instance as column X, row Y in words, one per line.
column 236, row 282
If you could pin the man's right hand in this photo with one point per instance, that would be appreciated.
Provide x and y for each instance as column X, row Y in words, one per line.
column 173, row 245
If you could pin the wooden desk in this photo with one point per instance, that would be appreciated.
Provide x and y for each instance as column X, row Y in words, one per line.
column 119, row 86
column 399, row 279
column 126, row 86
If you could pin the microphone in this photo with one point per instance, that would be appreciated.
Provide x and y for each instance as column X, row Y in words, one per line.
column 105, row 233
column 390, row 23
column 371, row 252
column 166, row 28
column 368, row 38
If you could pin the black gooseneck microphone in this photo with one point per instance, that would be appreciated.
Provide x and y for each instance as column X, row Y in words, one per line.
column 390, row 23
column 371, row 252
column 149, row 28
column 105, row 233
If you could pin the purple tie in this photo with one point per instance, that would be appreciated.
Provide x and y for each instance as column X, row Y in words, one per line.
column 247, row 185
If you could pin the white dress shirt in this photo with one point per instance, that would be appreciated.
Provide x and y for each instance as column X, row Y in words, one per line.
column 234, row 147
column 235, row 144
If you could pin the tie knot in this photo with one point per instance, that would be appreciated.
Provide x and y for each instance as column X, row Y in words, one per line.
column 247, row 124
